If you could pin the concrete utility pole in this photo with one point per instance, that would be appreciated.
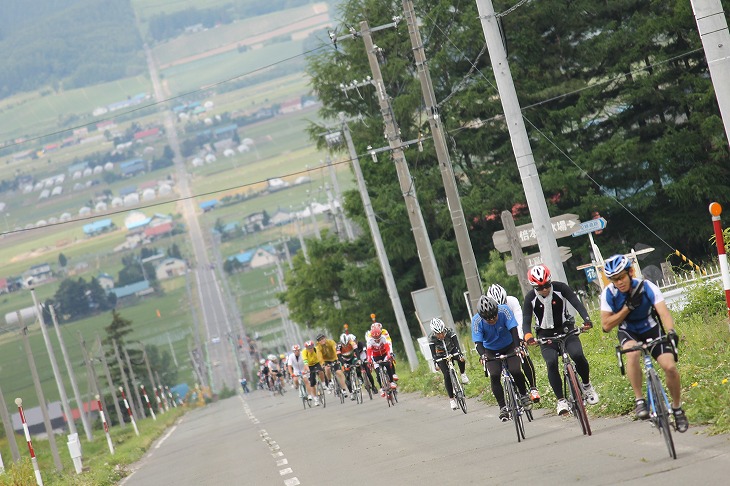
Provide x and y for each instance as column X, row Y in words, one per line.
column 712, row 25
column 91, row 375
column 400, row 316
column 54, row 366
column 110, row 382
column 461, row 231
column 40, row 395
column 418, row 226
column 123, row 374
column 338, row 197
column 302, row 243
column 133, row 381
column 72, row 377
column 520, row 142
column 8, row 427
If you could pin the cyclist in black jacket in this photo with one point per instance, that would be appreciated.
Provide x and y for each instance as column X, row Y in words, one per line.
column 442, row 335
column 548, row 303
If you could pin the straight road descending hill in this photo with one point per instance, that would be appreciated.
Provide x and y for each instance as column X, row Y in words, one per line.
column 265, row 440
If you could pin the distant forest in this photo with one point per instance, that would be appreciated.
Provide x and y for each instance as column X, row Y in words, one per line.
column 68, row 44
column 76, row 43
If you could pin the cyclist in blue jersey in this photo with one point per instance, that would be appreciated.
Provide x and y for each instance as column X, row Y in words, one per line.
column 638, row 309
column 494, row 331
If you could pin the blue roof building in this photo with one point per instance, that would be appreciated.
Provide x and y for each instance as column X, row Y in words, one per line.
column 97, row 227
column 208, row 205
column 243, row 258
column 131, row 289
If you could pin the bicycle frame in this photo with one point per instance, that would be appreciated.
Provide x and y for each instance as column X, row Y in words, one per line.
column 456, row 384
column 657, row 399
column 512, row 399
column 571, row 387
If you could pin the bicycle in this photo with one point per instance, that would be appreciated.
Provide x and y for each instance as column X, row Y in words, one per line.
column 319, row 389
column 657, row 400
column 512, row 398
column 303, row 391
column 355, row 382
column 391, row 395
column 456, row 385
column 572, row 390
column 335, row 383
column 364, row 371
column 278, row 388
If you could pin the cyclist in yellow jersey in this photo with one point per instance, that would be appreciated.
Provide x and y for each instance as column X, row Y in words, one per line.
column 327, row 354
column 313, row 366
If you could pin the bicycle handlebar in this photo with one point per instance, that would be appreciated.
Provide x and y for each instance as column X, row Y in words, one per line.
column 647, row 345
column 449, row 356
column 561, row 337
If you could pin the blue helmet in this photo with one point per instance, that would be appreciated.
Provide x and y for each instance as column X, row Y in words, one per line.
column 616, row 264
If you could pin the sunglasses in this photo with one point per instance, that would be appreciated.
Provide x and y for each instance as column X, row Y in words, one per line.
column 619, row 277
column 543, row 287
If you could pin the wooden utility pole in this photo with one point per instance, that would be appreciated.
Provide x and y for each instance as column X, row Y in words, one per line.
column 110, row 382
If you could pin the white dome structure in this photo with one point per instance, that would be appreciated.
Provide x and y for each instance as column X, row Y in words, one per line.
column 247, row 141
column 131, row 199
column 87, row 172
column 52, row 220
column 117, row 202
column 210, row 158
column 98, row 169
column 197, row 162
column 41, row 222
column 78, row 186
column 76, row 175
column 148, row 195
column 84, row 211
column 60, row 178
column 57, row 191
column 165, row 190
column 65, row 217
column 48, row 182
column 44, row 194
column 100, row 206
column 243, row 148
column 38, row 186
column 229, row 153
column 208, row 121
column 27, row 188
column 108, row 167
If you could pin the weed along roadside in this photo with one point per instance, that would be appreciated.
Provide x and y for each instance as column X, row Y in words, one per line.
column 704, row 351
column 100, row 466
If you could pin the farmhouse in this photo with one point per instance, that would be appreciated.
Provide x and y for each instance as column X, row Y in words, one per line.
column 98, row 227
column 171, row 267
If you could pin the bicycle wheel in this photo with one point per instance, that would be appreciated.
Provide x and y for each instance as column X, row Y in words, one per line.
column 510, row 395
column 368, row 386
column 576, row 398
column 320, row 392
column 458, row 390
column 659, row 402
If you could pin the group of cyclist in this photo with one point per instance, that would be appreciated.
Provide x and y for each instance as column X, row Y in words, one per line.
column 502, row 327
column 327, row 360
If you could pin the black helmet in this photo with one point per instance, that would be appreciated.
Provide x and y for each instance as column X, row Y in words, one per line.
column 487, row 307
column 320, row 336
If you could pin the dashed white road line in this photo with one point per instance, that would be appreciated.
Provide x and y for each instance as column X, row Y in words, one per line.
column 273, row 447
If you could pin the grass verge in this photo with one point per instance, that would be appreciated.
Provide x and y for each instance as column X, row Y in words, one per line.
column 100, row 467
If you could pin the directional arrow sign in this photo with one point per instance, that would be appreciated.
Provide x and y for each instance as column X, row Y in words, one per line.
column 590, row 226
column 563, row 226
column 536, row 259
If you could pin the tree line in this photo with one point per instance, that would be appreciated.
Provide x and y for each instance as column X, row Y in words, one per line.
column 622, row 120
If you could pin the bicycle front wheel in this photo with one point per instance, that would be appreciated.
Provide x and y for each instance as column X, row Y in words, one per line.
column 576, row 397
column 659, row 402
column 513, row 404
column 458, row 390
column 320, row 392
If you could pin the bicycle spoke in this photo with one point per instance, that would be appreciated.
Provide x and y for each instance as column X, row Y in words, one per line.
column 662, row 411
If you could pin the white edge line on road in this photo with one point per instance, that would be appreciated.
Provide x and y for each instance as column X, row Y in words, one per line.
column 164, row 438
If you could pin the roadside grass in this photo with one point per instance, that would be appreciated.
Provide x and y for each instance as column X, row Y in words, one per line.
column 704, row 365
column 100, row 467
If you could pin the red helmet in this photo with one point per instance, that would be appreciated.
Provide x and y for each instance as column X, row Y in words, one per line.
column 539, row 275
column 295, row 347
column 376, row 330
column 309, row 344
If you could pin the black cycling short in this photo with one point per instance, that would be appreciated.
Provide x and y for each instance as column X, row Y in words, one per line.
column 653, row 333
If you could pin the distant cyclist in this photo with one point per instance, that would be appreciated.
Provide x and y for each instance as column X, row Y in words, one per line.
column 296, row 366
column 313, row 366
column 494, row 332
column 548, row 303
column 637, row 307
column 380, row 353
column 444, row 341
column 498, row 293
column 327, row 352
column 347, row 354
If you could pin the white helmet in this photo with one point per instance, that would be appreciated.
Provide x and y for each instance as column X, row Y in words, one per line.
column 346, row 338
column 498, row 293
column 271, row 357
column 437, row 325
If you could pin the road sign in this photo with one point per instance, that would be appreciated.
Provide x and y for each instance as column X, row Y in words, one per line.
column 590, row 226
column 536, row 259
column 563, row 226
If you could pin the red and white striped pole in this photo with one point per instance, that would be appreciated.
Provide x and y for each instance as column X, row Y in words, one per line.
column 129, row 411
column 106, row 425
column 716, row 211
column 38, row 479
column 172, row 399
column 164, row 398
column 147, row 401
column 157, row 399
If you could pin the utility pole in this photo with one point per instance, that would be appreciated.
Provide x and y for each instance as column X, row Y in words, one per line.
column 407, row 185
column 39, row 394
column 712, row 26
column 400, row 316
column 54, row 367
column 196, row 331
column 461, row 230
column 110, row 382
column 520, row 142
column 302, row 243
column 338, row 197
column 8, row 427
column 91, row 374
column 133, row 379
column 72, row 377
column 123, row 374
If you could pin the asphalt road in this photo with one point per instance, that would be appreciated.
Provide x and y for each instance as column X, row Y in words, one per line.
column 265, row 440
